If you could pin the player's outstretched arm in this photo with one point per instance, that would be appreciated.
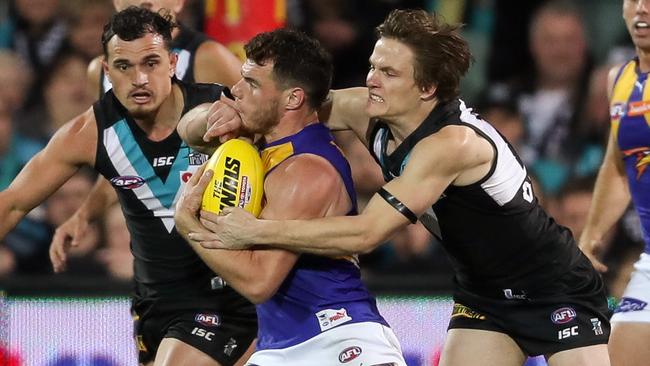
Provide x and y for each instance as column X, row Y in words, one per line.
column 345, row 109
column 610, row 199
column 70, row 233
column 435, row 163
column 214, row 63
column 72, row 146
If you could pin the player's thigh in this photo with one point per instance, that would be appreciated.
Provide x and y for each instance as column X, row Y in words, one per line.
column 480, row 347
column 173, row 352
column 628, row 344
column 595, row 355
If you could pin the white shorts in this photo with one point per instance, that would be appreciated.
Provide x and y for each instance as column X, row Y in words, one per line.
column 636, row 299
column 357, row 344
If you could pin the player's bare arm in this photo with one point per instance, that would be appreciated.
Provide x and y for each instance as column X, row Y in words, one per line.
column 454, row 155
column 206, row 126
column 304, row 187
column 71, row 147
column 345, row 109
column 611, row 196
column 214, row 63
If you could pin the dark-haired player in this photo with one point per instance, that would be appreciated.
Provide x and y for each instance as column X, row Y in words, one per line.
column 129, row 136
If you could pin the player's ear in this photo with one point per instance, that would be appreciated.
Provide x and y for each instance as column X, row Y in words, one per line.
column 173, row 59
column 295, row 98
column 105, row 68
column 428, row 92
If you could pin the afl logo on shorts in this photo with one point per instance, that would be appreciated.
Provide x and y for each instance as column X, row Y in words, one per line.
column 127, row 182
column 349, row 354
column 208, row 320
column 563, row 315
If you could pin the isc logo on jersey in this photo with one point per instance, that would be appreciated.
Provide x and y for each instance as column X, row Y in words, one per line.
column 238, row 178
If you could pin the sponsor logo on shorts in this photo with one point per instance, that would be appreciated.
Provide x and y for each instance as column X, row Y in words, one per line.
column 127, row 181
column 630, row 304
column 465, row 312
column 596, row 326
column 567, row 332
column 330, row 318
column 203, row 333
column 229, row 348
column 509, row 294
column 208, row 320
column 197, row 158
column 349, row 354
column 563, row 315
column 140, row 342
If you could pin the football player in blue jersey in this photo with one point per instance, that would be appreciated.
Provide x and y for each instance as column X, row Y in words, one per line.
column 312, row 310
column 623, row 177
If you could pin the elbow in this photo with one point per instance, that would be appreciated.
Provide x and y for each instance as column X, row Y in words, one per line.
column 367, row 243
column 259, row 291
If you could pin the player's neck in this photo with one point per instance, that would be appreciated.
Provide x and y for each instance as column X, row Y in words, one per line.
column 164, row 121
column 644, row 59
column 403, row 125
column 291, row 123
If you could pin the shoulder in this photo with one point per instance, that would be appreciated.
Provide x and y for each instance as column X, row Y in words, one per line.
column 214, row 63
column 455, row 147
column 613, row 75
column 309, row 174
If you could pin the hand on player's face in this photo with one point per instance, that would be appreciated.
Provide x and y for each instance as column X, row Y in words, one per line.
column 228, row 230
column 224, row 121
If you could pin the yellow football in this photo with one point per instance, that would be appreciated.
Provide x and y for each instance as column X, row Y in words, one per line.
column 238, row 179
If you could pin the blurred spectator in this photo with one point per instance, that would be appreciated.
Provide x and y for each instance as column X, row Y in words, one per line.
column 574, row 202
column 35, row 30
column 15, row 80
column 498, row 106
column 86, row 19
column 116, row 255
column 66, row 95
column 60, row 206
column 22, row 249
column 346, row 29
column 555, row 145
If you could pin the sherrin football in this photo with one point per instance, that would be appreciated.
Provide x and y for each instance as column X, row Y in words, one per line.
column 238, row 179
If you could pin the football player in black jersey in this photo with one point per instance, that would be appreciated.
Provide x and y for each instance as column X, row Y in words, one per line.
column 523, row 286
column 200, row 60
column 129, row 136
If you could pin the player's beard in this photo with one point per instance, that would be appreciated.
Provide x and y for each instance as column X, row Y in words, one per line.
column 265, row 119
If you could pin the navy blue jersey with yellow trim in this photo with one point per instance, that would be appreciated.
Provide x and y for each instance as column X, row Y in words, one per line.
column 184, row 45
column 148, row 177
column 630, row 116
column 496, row 233
column 319, row 293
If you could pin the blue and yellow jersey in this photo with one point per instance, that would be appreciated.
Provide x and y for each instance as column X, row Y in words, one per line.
column 319, row 293
column 630, row 114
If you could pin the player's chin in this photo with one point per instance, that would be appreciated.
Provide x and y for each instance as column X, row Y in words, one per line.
column 140, row 111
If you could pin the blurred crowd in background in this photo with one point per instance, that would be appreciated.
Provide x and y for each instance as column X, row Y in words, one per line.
column 539, row 76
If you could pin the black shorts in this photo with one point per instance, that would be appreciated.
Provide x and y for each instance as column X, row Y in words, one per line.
column 570, row 313
column 223, row 332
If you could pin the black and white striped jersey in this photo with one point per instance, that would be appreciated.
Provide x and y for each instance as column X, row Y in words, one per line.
column 184, row 45
column 148, row 177
column 494, row 230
